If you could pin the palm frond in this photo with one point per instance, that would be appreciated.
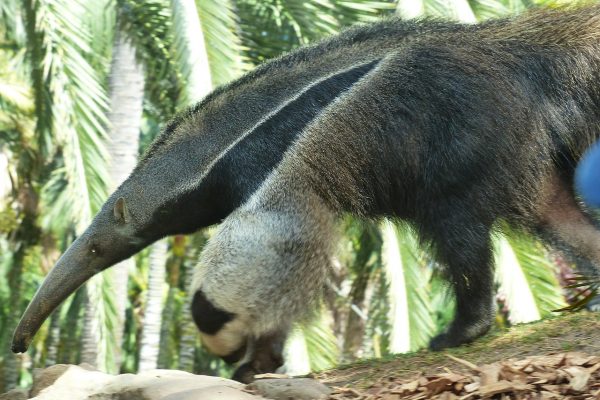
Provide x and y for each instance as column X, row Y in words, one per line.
column 514, row 288
column 223, row 42
column 320, row 342
column 485, row 9
column 538, row 273
column 192, row 55
column 458, row 10
column 75, row 107
column 149, row 26
column 16, row 103
column 100, row 19
column 15, row 93
column 272, row 27
column 408, row 276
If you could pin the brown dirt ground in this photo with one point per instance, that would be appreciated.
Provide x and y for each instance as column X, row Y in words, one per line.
column 566, row 333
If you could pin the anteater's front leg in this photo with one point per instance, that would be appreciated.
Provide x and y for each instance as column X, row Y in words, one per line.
column 262, row 270
column 464, row 246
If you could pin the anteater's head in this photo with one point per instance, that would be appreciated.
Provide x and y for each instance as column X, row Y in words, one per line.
column 166, row 194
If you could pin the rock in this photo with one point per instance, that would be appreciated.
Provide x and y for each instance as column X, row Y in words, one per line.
column 84, row 383
column 79, row 383
column 212, row 393
column 75, row 383
column 293, row 388
column 42, row 378
column 15, row 394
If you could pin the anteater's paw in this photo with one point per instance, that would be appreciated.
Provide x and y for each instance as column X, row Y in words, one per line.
column 459, row 334
column 262, row 363
column 445, row 341
column 245, row 373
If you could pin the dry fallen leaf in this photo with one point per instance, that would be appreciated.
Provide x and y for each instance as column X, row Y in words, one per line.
column 556, row 376
column 579, row 378
column 496, row 388
column 438, row 385
column 490, row 374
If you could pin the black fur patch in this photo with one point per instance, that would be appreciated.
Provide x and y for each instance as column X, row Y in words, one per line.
column 244, row 168
column 207, row 317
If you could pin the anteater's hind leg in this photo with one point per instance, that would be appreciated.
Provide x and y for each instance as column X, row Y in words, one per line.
column 463, row 246
column 563, row 224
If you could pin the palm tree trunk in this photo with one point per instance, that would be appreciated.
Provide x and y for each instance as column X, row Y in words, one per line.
column 53, row 338
column 153, row 313
column 126, row 89
column 12, row 361
column 90, row 335
column 26, row 235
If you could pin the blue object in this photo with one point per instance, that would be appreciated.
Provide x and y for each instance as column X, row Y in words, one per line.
column 587, row 176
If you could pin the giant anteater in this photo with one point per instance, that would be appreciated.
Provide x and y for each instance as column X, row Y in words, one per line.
column 450, row 127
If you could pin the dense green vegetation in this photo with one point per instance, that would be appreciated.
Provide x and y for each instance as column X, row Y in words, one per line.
column 61, row 65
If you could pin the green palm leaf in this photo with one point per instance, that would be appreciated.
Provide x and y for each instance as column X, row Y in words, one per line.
column 223, row 43
column 458, row 10
column 312, row 346
column 74, row 108
column 514, row 287
column 408, row 275
column 149, row 25
column 273, row 27
column 539, row 272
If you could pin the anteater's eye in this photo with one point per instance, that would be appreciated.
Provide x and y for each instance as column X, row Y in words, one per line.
column 94, row 250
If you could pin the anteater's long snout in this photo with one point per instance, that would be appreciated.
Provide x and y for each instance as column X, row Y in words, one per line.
column 73, row 269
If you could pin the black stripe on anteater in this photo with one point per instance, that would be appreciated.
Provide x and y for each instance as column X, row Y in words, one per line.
column 243, row 168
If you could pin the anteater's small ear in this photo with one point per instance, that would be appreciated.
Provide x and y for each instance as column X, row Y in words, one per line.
column 121, row 212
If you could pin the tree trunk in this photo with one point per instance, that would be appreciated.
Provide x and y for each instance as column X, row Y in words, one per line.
column 153, row 313
column 12, row 364
column 53, row 338
column 126, row 89
column 90, row 336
